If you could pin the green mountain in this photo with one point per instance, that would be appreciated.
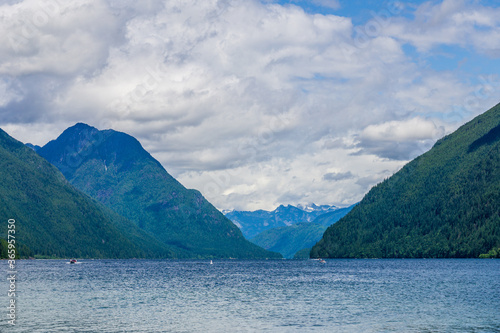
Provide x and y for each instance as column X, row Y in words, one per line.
column 302, row 254
column 113, row 168
column 288, row 240
column 445, row 203
column 54, row 219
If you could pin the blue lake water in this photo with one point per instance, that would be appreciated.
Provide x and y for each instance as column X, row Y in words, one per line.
column 254, row 296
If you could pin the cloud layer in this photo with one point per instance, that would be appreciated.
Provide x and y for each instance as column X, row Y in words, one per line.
column 253, row 103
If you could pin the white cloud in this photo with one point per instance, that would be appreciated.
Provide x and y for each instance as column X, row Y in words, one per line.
column 61, row 38
column 399, row 140
column 255, row 104
column 450, row 22
column 407, row 130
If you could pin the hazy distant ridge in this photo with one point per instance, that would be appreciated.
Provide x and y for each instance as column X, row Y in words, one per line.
column 252, row 223
column 298, row 227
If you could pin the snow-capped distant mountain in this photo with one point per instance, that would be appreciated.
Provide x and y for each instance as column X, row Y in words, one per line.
column 253, row 223
column 315, row 208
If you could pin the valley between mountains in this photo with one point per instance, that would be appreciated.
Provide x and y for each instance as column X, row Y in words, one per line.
column 94, row 193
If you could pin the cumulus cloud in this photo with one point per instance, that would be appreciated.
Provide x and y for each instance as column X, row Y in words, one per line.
column 253, row 103
column 55, row 37
column 451, row 22
column 408, row 130
column 399, row 140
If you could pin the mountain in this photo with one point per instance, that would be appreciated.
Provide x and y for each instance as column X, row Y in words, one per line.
column 315, row 209
column 253, row 223
column 35, row 148
column 330, row 218
column 113, row 168
column 288, row 240
column 53, row 219
column 445, row 203
column 302, row 254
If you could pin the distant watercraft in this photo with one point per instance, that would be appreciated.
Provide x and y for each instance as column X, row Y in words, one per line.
column 322, row 261
column 72, row 261
column 211, row 262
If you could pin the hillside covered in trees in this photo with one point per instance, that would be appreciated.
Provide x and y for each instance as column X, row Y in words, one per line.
column 443, row 204
column 53, row 219
column 113, row 168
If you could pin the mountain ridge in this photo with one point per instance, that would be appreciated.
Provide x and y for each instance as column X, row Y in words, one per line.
column 116, row 170
column 443, row 204
column 252, row 223
column 53, row 219
column 288, row 240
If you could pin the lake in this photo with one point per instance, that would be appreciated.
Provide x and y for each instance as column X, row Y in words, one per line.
column 254, row 296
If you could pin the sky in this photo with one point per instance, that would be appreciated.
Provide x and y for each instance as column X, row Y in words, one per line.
column 254, row 103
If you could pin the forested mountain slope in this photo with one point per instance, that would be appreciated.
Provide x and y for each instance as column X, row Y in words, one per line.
column 445, row 203
column 53, row 219
column 114, row 168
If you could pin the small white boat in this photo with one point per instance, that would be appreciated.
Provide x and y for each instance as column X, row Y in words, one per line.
column 322, row 261
column 211, row 262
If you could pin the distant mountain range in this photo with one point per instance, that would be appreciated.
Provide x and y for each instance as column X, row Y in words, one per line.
column 443, row 204
column 252, row 223
column 288, row 229
column 53, row 219
column 113, row 168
